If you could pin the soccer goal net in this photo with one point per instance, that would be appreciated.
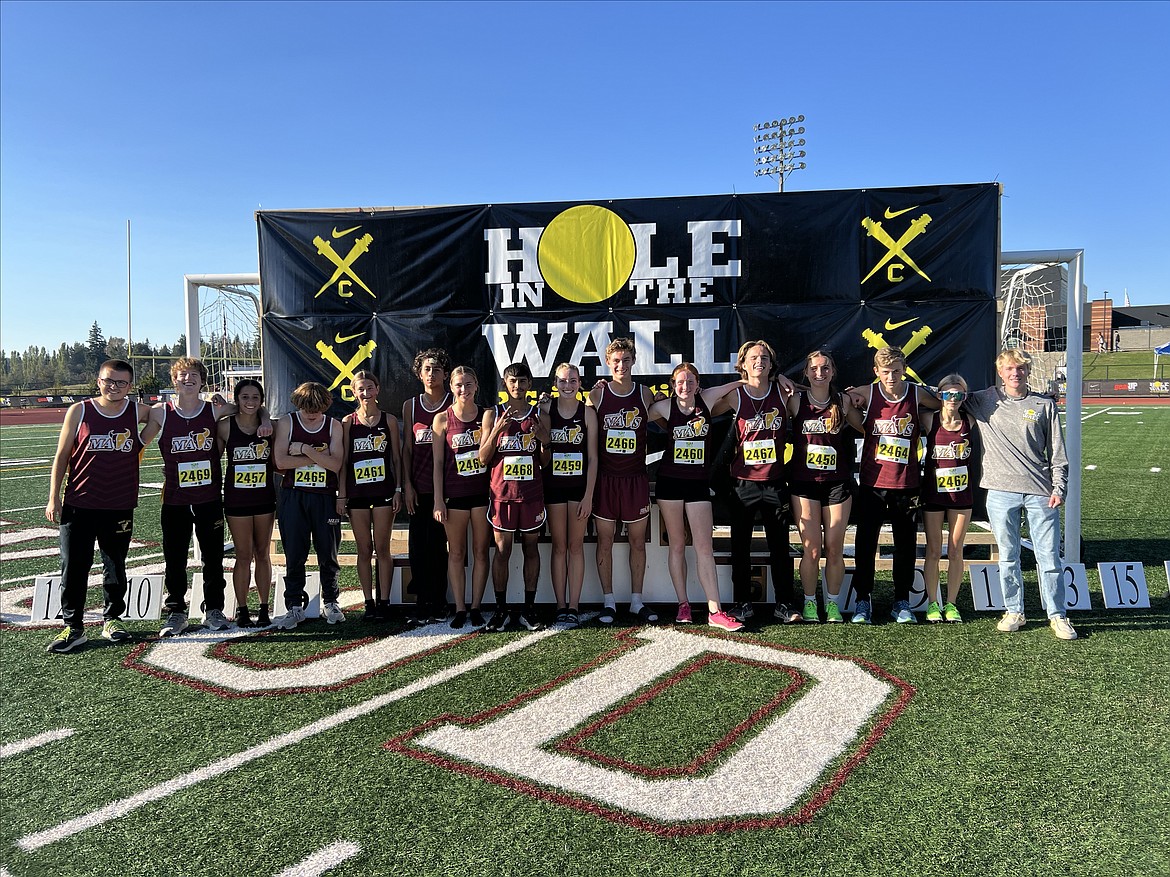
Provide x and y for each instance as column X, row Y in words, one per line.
column 223, row 327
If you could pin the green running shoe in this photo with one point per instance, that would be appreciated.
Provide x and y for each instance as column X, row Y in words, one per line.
column 810, row 612
column 833, row 612
column 934, row 612
column 951, row 613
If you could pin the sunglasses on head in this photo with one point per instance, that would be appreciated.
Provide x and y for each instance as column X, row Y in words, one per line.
column 952, row 395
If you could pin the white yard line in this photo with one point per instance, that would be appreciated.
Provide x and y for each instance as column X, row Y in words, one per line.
column 15, row 748
column 325, row 859
column 31, row 842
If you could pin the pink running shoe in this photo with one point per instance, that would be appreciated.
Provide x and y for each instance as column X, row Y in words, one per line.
column 684, row 614
column 724, row 621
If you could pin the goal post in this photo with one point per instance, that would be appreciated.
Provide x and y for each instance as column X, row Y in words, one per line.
column 223, row 326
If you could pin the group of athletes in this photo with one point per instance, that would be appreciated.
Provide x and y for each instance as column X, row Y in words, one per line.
column 506, row 471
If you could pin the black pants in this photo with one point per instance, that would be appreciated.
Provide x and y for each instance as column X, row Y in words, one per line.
column 305, row 515
column 80, row 528
column 428, row 553
column 900, row 507
column 206, row 519
column 770, row 502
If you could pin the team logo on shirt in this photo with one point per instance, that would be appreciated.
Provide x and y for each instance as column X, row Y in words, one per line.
column 820, row 425
column 254, row 451
column 1032, row 414
column 376, row 442
column 111, row 441
column 525, row 441
column 568, row 435
column 627, row 418
column 696, row 427
column 192, row 441
column 903, row 425
column 953, row 451
column 765, row 421
column 423, row 436
column 468, row 439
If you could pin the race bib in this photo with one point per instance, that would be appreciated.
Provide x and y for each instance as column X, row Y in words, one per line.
column 369, row 471
column 250, row 476
column 822, row 458
column 567, row 465
column 197, row 473
column 467, row 464
column 952, row 480
column 759, row 453
column 310, row 476
column 893, row 449
column 621, row 441
column 689, row 453
column 518, row 468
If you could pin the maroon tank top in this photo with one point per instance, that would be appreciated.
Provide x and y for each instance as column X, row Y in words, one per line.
column 463, row 473
column 369, row 472
column 688, row 450
column 889, row 453
column 248, row 480
column 623, row 422
column 103, row 465
column 947, row 480
column 568, row 442
column 515, row 473
column 310, row 476
column 191, row 471
column 422, row 455
column 822, row 448
column 761, row 429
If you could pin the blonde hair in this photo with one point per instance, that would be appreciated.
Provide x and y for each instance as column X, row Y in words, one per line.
column 621, row 345
column 188, row 363
column 954, row 379
column 569, row 365
column 888, row 356
column 748, row 345
column 1012, row 355
column 364, row 375
column 464, row 370
column 311, row 397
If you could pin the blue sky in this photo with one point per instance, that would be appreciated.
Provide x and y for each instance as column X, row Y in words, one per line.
column 185, row 118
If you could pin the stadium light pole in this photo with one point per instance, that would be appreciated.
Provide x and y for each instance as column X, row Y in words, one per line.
column 777, row 148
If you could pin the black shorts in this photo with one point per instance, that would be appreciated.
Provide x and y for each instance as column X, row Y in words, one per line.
column 824, row 492
column 933, row 507
column 554, row 494
column 467, row 503
column 250, row 511
column 368, row 502
column 682, row 489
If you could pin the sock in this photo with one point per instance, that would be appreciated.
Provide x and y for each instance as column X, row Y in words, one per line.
column 635, row 602
column 808, row 599
column 610, row 601
column 529, row 599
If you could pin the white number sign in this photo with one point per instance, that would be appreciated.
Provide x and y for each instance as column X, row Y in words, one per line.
column 46, row 602
column 312, row 591
column 847, row 598
column 986, row 590
column 1076, row 587
column 1124, row 585
column 143, row 598
column 199, row 602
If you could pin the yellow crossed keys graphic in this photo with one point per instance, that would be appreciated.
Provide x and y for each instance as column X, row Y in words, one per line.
column 345, row 370
column 877, row 342
column 325, row 249
column 895, row 248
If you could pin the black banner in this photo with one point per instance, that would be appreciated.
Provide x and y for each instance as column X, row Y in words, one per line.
column 689, row 278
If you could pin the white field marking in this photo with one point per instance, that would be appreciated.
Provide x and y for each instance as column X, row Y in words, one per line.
column 9, row 463
column 220, row 766
column 325, row 859
column 31, row 508
column 14, row 536
column 10, row 749
column 1125, row 413
column 1156, row 469
column 1090, row 468
column 1094, row 414
column 818, row 726
column 50, row 552
column 4, row 872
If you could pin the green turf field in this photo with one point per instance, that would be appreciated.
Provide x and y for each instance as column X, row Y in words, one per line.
column 589, row 752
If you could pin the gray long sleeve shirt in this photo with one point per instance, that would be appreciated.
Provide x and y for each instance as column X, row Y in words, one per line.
column 1023, row 444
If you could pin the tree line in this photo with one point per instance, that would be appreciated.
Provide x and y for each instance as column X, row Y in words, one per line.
column 72, row 368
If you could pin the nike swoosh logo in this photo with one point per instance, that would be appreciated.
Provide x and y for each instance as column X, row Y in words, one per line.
column 340, row 234
column 341, row 339
column 889, row 325
column 890, row 214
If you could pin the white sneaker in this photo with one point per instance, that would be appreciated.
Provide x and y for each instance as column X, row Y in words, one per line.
column 333, row 613
column 1062, row 627
column 290, row 619
column 175, row 624
column 216, row 620
column 1011, row 622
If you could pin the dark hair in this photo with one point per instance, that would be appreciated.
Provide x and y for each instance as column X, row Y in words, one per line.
column 243, row 384
column 517, row 370
column 117, row 365
column 438, row 354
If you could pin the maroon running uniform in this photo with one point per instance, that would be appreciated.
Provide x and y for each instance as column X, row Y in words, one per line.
column 822, row 448
column 249, row 470
column 567, row 442
column 889, row 453
column 623, row 423
column 191, row 472
column 368, row 470
column 463, row 473
column 761, row 427
column 311, row 477
column 103, row 465
column 688, row 452
column 515, row 472
column 947, row 480
column 422, row 455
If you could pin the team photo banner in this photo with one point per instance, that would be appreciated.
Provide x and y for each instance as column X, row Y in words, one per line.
column 690, row 279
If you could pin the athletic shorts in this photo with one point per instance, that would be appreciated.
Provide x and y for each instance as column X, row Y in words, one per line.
column 556, row 495
column 250, row 511
column 682, row 489
column 368, row 502
column 933, row 507
column 625, row 498
column 824, row 492
column 510, row 517
column 467, row 503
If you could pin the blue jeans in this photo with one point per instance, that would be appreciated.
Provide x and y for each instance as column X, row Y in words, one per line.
column 1003, row 510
